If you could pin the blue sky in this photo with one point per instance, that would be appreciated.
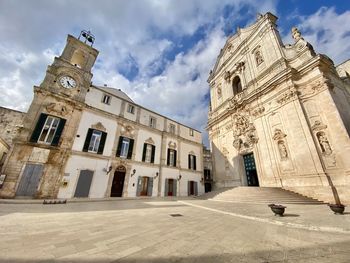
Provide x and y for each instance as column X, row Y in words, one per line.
column 159, row 52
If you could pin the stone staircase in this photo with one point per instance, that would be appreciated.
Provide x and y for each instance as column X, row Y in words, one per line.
column 258, row 195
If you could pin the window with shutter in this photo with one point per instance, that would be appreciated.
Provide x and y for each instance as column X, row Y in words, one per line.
column 48, row 129
column 95, row 141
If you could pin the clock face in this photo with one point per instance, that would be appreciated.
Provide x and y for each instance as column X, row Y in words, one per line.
column 67, row 82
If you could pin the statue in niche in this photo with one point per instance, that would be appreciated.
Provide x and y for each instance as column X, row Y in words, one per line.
column 324, row 143
column 283, row 150
column 219, row 91
column 258, row 57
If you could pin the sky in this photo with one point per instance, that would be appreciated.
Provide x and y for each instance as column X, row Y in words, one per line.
column 159, row 52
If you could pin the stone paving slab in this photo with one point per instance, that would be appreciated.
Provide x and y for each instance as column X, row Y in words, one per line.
column 138, row 231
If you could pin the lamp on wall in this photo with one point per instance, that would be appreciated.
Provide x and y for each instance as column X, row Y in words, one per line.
column 156, row 175
column 179, row 178
column 202, row 180
column 133, row 172
column 108, row 170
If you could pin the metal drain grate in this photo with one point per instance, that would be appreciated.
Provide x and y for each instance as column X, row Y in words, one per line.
column 175, row 215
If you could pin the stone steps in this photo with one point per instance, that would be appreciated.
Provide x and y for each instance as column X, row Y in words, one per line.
column 264, row 195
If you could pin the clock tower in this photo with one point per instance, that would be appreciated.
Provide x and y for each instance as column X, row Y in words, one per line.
column 35, row 164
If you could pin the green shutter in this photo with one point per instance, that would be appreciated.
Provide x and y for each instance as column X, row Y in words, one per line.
column 131, row 146
column 166, row 187
column 189, row 161
column 119, row 148
column 188, row 188
column 150, row 186
column 153, row 153
column 58, row 133
column 175, row 187
column 195, row 188
column 194, row 163
column 138, row 187
column 87, row 140
column 38, row 128
column 144, row 152
column 102, row 143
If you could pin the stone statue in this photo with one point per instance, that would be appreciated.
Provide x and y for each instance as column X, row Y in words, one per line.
column 324, row 143
column 258, row 57
column 296, row 34
column 283, row 150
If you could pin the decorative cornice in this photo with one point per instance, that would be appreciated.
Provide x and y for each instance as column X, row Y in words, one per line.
column 98, row 126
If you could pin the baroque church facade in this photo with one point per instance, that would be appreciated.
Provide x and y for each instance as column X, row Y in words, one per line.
column 279, row 115
column 81, row 140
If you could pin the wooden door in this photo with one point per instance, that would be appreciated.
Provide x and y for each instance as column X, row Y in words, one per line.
column 118, row 184
column 144, row 186
column 84, row 183
column 30, row 180
column 170, row 187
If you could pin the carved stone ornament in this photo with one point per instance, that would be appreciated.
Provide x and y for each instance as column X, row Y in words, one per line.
column 244, row 134
column 324, row 143
column 227, row 76
column 282, row 148
column 98, row 126
column 287, row 96
column 150, row 141
column 278, row 134
column 258, row 111
column 56, row 108
column 127, row 130
column 318, row 126
column 172, row 145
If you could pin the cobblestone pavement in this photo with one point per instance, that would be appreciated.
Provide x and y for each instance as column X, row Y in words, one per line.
column 144, row 231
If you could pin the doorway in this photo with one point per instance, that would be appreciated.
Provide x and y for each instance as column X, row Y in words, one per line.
column 84, row 183
column 250, row 170
column 192, row 188
column 30, row 180
column 144, row 186
column 170, row 187
column 118, row 182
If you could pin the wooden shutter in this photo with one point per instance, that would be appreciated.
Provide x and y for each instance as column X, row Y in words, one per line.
column 166, row 187
column 150, row 186
column 144, row 152
column 195, row 188
column 38, row 128
column 194, row 163
column 175, row 158
column 189, row 161
column 87, row 140
column 131, row 146
column 139, row 184
column 153, row 153
column 119, row 148
column 58, row 133
column 168, row 158
column 175, row 187
column 188, row 188
column 102, row 143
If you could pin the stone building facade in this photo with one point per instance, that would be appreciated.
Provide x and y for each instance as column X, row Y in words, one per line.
column 279, row 115
column 82, row 140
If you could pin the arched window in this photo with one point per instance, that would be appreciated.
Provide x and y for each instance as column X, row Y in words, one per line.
column 236, row 85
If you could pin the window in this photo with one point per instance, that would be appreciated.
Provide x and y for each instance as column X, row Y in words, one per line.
column 106, row 99
column 95, row 141
column 171, row 161
column 152, row 122
column 236, row 85
column 125, row 147
column 48, row 130
column 131, row 109
column 148, row 153
column 191, row 132
column 172, row 128
column 192, row 162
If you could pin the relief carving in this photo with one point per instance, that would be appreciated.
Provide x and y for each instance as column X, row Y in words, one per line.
column 258, row 111
column 244, row 134
column 57, row 108
column 278, row 134
column 324, row 143
column 287, row 96
column 127, row 130
column 172, row 145
column 98, row 126
column 282, row 150
column 318, row 126
column 150, row 141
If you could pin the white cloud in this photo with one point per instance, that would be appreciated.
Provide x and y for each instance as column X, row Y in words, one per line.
column 128, row 34
column 328, row 32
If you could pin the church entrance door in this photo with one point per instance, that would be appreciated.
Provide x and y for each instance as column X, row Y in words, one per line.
column 118, row 182
column 250, row 170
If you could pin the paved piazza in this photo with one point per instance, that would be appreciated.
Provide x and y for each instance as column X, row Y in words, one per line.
column 143, row 230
